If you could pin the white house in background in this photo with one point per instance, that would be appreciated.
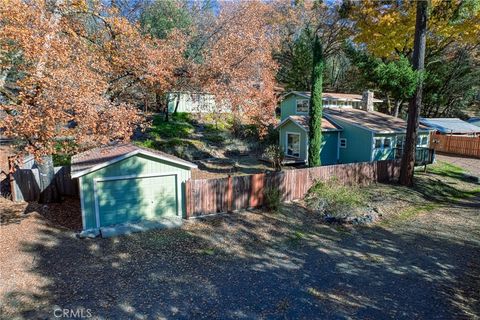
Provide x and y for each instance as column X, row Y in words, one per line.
column 193, row 102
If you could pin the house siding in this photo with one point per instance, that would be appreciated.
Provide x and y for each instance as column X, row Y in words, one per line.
column 293, row 128
column 328, row 153
column 389, row 153
column 191, row 103
column 137, row 165
column 358, row 142
column 289, row 106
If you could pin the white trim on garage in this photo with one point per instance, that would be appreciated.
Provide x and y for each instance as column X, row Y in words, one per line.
column 82, row 205
column 128, row 177
column 130, row 154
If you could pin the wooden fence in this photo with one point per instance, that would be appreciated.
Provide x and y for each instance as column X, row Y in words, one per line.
column 25, row 184
column 209, row 196
column 460, row 145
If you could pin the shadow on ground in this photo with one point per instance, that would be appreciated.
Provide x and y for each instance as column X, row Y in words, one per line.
column 259, row 265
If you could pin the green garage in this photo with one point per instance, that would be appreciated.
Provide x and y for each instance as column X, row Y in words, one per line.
column 126, row 184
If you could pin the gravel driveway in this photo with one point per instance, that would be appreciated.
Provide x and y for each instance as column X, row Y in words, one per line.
column 249, row 266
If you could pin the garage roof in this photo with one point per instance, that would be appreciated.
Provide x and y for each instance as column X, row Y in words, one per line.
column 97, row 158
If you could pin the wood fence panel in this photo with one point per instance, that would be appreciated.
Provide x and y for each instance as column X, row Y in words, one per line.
column 459, row 145
column 26, row 184
column 236, row 193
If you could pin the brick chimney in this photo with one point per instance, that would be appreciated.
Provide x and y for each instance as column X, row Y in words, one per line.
column 367, row 101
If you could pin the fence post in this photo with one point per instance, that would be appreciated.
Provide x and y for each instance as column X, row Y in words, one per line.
column 11, row 178
column 229, row 194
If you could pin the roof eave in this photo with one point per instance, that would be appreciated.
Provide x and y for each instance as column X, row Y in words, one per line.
column 128, row 155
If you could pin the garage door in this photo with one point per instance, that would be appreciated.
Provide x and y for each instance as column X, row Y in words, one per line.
column 133, row 200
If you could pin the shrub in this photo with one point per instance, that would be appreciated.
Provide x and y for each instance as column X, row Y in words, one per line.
column 275, row 154
column 332, row 199
column 273, row 198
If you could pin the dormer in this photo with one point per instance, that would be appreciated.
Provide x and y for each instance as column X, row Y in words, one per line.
column 298, row 102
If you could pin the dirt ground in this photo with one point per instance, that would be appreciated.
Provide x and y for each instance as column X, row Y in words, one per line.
column 420, row 261
column 470, row 164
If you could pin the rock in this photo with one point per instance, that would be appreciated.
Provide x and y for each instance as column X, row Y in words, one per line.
column 89, row 234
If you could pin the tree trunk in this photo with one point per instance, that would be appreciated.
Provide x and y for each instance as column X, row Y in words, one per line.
column 414, row 108
column 315, row 112
column 389, row 104
column 396, row 111
column 47, row 185
column 176, row 104
column 159, row 103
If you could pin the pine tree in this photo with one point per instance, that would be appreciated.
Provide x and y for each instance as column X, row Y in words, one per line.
column 315, row 133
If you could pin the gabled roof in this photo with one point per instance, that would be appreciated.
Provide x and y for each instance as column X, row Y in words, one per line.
column 97, row 158
column 303, row 122
column 450, row 125
column 332, row 95
column 371, row 120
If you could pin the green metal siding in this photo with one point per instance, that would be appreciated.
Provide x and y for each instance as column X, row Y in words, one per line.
column 328, row 152
column 132, row 192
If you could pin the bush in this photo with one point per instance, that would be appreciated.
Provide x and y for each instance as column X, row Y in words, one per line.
column 275, row 153
column 335, row 200
column 273, row 198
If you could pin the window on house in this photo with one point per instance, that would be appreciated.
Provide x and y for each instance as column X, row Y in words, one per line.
column 424, row 140
column 302, row 106
column 293, row 144
column 343, row 143
column 387, row 143
column 400, row 142
column 378, row 143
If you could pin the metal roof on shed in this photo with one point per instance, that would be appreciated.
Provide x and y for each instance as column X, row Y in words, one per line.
column 450, row 125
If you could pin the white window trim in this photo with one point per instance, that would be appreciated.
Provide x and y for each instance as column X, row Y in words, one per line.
column 340, row 143
column 382, row 143
column 128, row 177
column 299, row 144
column 296, row 106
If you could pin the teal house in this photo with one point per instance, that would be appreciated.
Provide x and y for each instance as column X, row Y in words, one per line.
column 352, row 131
column 127, row 184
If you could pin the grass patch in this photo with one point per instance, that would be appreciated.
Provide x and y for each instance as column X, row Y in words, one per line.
column 207, row 251
column 179, row 126
column 334, row 199
column 409, row 213
column 446, row 169
column 295, row 238
column 440, row 191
